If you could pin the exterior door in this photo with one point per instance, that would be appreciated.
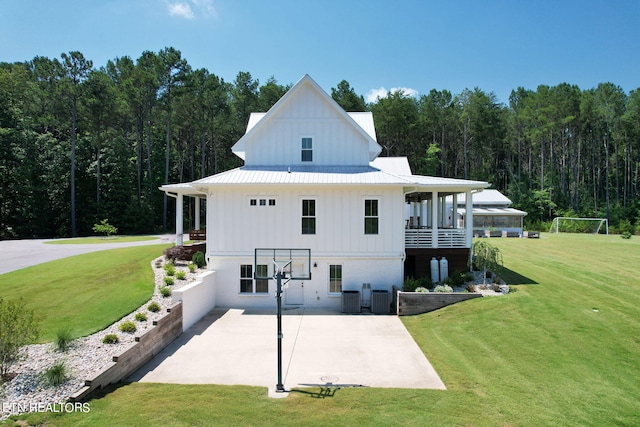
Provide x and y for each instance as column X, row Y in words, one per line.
column 294, row 293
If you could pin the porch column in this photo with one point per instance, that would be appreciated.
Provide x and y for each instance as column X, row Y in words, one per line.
column 197, row 209
column 454, row 211
column 434, row 219
column 179, row 226
column 468, row 218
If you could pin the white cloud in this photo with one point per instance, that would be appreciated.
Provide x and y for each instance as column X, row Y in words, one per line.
column 382, row 92
column 190, row 8
column 182, row 10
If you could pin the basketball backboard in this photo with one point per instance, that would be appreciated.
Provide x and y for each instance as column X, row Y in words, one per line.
column 294, row 263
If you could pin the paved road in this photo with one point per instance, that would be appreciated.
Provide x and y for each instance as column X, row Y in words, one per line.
column 17, row 254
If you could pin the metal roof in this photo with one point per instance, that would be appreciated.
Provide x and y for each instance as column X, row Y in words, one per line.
column 495, row 211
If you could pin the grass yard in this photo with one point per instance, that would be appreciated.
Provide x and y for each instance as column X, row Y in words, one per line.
column 100, row 240
column 562, row 350
column 86, row 292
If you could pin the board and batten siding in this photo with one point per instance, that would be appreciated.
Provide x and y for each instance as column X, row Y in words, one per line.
column 278, row 141
column 234, row 226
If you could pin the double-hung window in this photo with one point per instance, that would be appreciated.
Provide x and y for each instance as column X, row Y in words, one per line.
column 335, row 279
column 247, row 281
column 371, row 216
column 308, row 216
column 307, row 149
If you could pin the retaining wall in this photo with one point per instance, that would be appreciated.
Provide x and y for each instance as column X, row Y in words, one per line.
column 409, row 303
column 198, row 298
column 147, row 345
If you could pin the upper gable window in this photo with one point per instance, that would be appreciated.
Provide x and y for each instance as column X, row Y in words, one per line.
column 307, row 149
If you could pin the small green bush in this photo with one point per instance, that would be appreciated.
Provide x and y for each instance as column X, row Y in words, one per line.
column 198, row 259
column 192, row 267
column 141, row 317
column 443, row 288
column 421, row 289
column 410, row 284
column 153, row 307
column 625, row 235
column 165, row 291
column 181, row 275
column 110, row 339
column 127, row 326
column 56, row 375
column 169, row 281
column 170, row 269
column 63, row 339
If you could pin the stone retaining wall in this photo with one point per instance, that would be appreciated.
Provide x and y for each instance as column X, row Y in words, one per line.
column 164, row 331
column 409, row 303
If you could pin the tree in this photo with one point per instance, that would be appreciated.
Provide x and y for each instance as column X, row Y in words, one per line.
column 487, row 258
column 75, row 71
column 18, row 327
column 347, row 98
column 105, row 228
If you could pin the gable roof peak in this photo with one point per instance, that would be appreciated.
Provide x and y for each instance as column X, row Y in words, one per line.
column 258, row 119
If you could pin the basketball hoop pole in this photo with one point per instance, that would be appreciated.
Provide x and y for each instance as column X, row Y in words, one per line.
column 279, row 386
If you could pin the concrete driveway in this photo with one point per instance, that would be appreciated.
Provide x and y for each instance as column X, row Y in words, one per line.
column 239, row 347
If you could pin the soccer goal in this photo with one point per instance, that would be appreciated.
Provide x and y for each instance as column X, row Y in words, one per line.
column 562, row 224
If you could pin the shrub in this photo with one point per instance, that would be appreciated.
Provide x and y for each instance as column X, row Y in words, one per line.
column 141, row 317
column 105, row 228
column 127, row 326
column 625, row 235
column 165, row 291
column 471, row 288
column 181, row 275
column 63, row 339
column 110, row 339
column 168, row 281
column 192, row 267
column 458, row 278
column 18, row 327
column 496, row 287
column 174, row 253
column 56, row 375
column 425, row 282
column 443, row 288
column 198, row 259
column 154, row 307
column 410, row 284
column 170, row 269
column 421, row 289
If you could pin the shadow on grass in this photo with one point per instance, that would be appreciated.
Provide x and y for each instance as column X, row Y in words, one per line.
column 515, row 278
column 326, row 390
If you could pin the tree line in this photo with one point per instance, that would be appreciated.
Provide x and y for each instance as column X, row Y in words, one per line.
column 79, row 144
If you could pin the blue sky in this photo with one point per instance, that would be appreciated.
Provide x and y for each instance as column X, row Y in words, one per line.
column 374, row 45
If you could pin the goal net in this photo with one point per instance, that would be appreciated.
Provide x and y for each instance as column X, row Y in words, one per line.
column 579, row 225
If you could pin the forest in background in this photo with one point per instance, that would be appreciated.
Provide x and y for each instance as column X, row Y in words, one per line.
column 79, row 144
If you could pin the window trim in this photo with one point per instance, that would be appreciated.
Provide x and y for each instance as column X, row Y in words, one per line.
column 306, row 150
column 375, row 216
column 304, row 217
column 245, row 280
column 331, row 279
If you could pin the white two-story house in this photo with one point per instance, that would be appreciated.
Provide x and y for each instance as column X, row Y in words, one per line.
column 312, row 179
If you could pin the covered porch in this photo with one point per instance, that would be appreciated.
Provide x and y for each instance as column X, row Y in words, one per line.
column 431, row 223
column 180, row 192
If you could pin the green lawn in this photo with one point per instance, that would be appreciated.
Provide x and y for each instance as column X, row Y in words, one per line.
column 563, row 350
column 100, row 240
column 86, row 292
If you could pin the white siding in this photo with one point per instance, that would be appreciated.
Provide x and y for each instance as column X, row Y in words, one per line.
column 278, row 142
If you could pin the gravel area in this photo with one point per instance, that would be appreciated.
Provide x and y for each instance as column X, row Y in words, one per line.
column 84, row 358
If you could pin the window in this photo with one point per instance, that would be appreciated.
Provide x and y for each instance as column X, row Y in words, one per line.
column 308, row 216
column 370, row 216
column 307, row 149
column 262, row 202
column 262, row 285
column 246, row 279
column 335, row 279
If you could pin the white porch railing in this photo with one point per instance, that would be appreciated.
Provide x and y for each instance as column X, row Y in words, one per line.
column 417, row 238
column 423, row 238
column 452, row 238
